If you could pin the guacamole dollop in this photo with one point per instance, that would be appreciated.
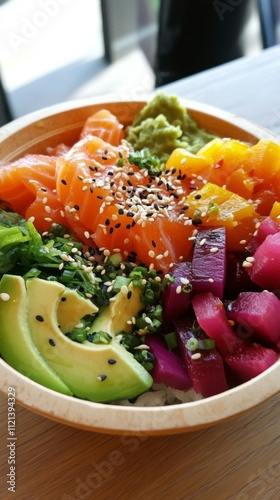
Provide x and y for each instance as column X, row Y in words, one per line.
column 164, row 125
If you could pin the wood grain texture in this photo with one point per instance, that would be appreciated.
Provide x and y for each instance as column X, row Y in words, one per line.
column 238, row 460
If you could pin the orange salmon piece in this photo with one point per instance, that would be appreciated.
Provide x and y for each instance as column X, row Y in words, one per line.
column 12, row 189
column 104, row 125
column 83, row 179
column 121, row 208
column 46, row 209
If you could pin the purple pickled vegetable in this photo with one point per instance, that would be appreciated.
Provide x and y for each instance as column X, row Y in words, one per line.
column 267, row 226
column 168, row 368
column 205, row 366
column 176, row 295
column 259, row 314
column 252, row 361
column 265, row 269
column 211, row 316
column 209, row 261
column 237, row 278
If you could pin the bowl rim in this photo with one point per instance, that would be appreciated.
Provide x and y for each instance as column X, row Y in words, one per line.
column 129, row 419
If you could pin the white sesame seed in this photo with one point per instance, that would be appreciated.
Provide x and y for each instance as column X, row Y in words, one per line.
column 148, row 320
column 196, row 355
column 159, row 256
column 202, row 242
column 242, row 242
column 184, row 281
column 214, row 250
column 4, row 296
column 247, row 264
column 151, row 254
column 250, row 259
column 179, row 289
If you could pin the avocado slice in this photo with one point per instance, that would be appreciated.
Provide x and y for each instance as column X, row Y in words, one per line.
column 98, row 372
column 71, row 308
column 115, row 317
column 16, row 344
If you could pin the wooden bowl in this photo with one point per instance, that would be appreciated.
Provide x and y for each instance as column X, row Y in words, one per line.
column 62, row 123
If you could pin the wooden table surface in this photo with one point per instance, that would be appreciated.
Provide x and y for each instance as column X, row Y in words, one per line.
column 237, row 460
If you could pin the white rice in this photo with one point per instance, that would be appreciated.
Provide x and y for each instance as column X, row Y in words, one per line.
column 161, row 395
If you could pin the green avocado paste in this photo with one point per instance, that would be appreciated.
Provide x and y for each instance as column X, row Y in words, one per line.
column 164, row 125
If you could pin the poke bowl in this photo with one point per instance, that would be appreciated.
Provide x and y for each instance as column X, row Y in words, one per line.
column 184, row 229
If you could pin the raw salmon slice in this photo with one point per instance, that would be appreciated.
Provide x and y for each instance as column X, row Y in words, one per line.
column 105, row 125
column 121, row 208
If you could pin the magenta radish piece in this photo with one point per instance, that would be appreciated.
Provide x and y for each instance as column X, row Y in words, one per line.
column 252, row 361
column 267, row 226
column 205, row 367
column 259, row 314
column 237, row 278
column 168, row 368
column 211, row 316
column 265, row 269
column 209, row 261
column 175, row 300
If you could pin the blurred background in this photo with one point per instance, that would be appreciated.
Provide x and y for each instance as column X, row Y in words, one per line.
column 58, row 50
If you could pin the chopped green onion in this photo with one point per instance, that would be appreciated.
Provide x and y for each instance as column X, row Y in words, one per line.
column 192, row 344
column 206, row 344
column 171, row 340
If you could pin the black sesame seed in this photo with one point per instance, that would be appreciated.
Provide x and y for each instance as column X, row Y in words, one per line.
column 112, row 361
column 52, row 342
column 99, row 197
column 197, row 196
column 104, row 157
column 129, row 294
column 102, row 377
column 111, row 230
column 154, row 243
column 107, row 222
column 121, row 211
column 63, row 181
column 196, row 222
column 63, row 299
column 39, row 318
column 44, row 190
column 118, row 225
column 106, row 151
column 77, row 207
